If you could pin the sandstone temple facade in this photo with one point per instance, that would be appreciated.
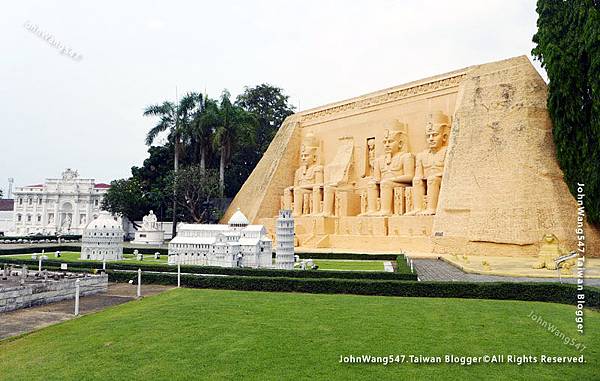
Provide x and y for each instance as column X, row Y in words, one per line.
column 462, row 163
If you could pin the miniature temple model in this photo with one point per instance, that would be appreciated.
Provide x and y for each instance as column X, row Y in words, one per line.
column 462, row 162
column 236, row 244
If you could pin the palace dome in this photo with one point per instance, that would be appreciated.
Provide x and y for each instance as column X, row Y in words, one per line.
column 238, row 219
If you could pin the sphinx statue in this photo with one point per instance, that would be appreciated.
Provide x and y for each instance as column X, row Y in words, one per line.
column 430, row 166
column 308, row 181
column 395, row 168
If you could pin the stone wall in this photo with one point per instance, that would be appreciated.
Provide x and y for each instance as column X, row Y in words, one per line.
column 502, row 188
column 38, row 293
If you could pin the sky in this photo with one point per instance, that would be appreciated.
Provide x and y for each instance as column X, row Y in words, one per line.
column 82, row 108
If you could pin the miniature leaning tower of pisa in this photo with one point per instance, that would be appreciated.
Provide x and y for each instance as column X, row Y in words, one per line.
column 284, row 251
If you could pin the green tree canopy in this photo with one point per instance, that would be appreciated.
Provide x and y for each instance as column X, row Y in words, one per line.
column 196, row 189
column 126, row 198
column 270, row 106
column 568, row 47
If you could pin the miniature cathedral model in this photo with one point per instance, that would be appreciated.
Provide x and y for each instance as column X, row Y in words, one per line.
column 235, row 244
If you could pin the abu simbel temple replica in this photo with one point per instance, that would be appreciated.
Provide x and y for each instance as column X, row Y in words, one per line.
column 459, row 163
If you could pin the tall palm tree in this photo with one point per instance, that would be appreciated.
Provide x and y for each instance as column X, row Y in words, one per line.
column 176, row 120
column 202, row 129
column 232, row 125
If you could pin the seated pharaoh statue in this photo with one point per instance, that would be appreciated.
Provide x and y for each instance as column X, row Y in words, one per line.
column 430, row 166
column 308, row 181
column 336, row 179
column 395, row 168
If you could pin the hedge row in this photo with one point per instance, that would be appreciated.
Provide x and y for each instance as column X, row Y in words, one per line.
column 38, row 249
column 541, row 292
column 162, row 251
column 401, row 266
column 39, row 237
column 376, row 275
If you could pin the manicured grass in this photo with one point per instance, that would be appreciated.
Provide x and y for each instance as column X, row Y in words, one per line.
column 325, row 264
column 213, row 334
column 71, row 256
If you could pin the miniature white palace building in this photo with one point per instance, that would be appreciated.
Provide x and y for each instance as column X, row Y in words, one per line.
column 237, row 244
column 64, row 205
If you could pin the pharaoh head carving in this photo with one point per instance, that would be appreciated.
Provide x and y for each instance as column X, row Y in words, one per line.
column 436, row 130
column 308, row 150
column 394, row 138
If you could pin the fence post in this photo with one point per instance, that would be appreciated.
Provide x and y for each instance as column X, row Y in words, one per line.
column 139, row 285
column 178, row 275
column 77, row 297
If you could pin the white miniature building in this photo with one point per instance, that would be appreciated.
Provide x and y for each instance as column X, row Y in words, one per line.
column 149, row 233
column 7, row 216
column 102, row 239
column 284, row 232
column 237, row 244
column 64, row 205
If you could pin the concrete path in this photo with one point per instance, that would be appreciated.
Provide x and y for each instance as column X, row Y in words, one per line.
column 438, row 270
column 29, row 319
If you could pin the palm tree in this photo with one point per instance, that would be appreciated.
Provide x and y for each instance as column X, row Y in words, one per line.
column 231, row 125
column 202, row 129
column 176, row 119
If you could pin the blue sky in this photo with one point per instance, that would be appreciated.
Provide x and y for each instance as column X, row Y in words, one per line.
column 86, row 114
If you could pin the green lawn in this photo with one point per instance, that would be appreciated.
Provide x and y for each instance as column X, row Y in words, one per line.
column 327, row 264
column 71, row 256
column 216, row 334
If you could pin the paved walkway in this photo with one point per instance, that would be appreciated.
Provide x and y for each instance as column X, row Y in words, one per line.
column 438, row 270
column 30, row 319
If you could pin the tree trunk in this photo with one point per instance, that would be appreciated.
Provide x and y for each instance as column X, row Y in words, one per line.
column 222, row 172
column 202, row 159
